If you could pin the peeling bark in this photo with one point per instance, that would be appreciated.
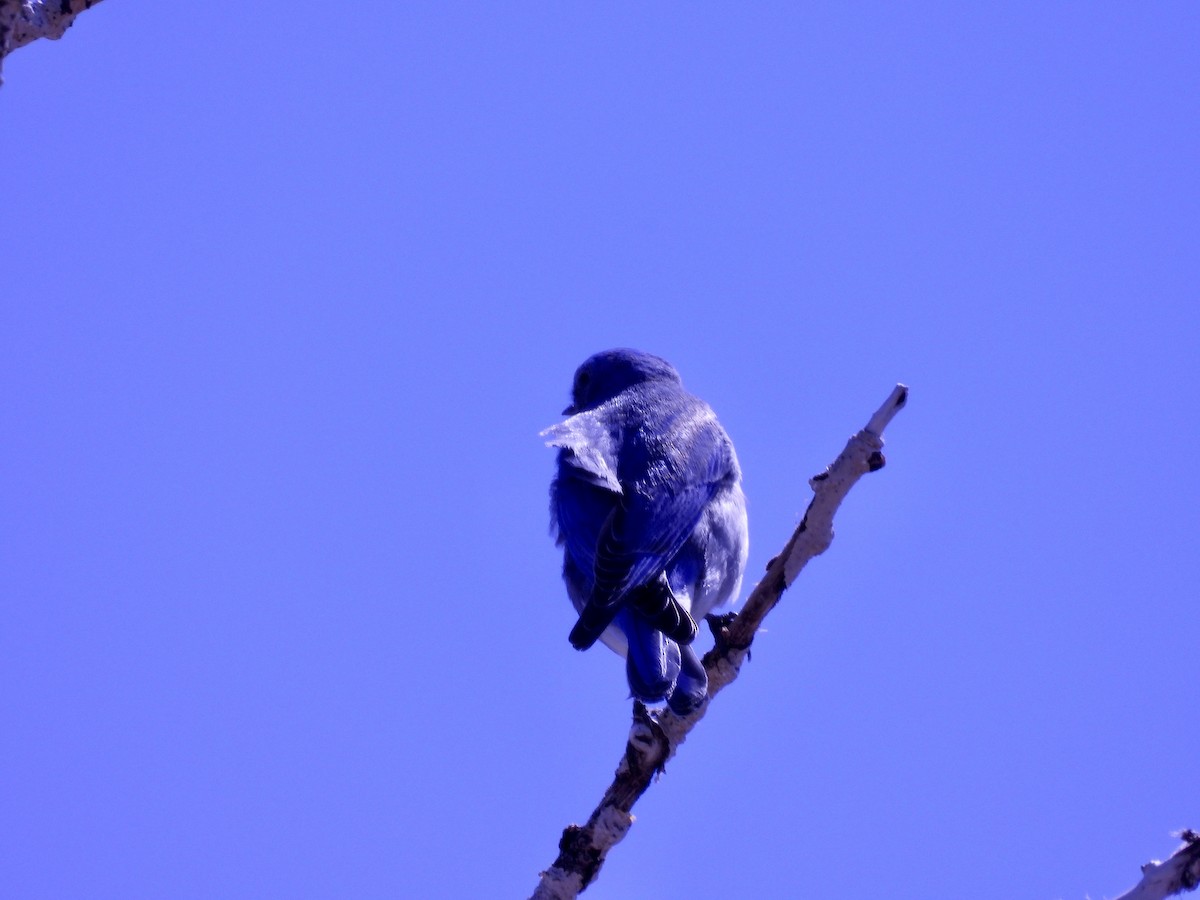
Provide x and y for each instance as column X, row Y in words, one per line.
column 1178, row 874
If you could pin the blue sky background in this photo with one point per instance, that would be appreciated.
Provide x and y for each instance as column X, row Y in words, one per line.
column 290, row 292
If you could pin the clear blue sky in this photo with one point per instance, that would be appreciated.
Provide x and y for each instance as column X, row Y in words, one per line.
column 290, row 293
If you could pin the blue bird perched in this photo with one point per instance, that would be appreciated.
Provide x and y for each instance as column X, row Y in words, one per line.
column 647, row 505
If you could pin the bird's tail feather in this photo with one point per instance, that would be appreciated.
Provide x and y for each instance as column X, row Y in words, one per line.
column 691, row 684
column 653, row 663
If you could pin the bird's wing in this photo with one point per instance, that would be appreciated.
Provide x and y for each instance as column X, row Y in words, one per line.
column 641, row 538
column 585, row 488
column 578, row 511
column 648, row 527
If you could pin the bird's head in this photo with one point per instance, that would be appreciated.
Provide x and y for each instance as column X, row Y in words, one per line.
column 606, row 374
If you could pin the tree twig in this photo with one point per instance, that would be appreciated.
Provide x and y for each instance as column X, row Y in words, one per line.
column 1178, row 874
column 24, row 21
column 656, row 734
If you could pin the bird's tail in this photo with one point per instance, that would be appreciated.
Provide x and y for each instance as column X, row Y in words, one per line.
column 657, row 668
column 653, row 663
column 691, row 684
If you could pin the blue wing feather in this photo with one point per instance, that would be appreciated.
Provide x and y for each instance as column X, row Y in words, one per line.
column 633, row 480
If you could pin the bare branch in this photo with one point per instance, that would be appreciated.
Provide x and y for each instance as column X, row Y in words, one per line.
column 24, row 21
column 656, row 735
column 1178, row 874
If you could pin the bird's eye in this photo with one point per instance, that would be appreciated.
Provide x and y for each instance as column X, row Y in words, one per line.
column 581, row 381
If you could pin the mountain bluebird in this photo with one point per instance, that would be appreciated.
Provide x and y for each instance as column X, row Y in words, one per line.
column 647, row 504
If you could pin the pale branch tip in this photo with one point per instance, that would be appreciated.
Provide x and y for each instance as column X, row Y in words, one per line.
column 656, row 735
column 894, row 403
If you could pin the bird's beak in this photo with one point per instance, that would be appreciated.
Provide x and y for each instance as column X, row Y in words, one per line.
column 569, row 411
